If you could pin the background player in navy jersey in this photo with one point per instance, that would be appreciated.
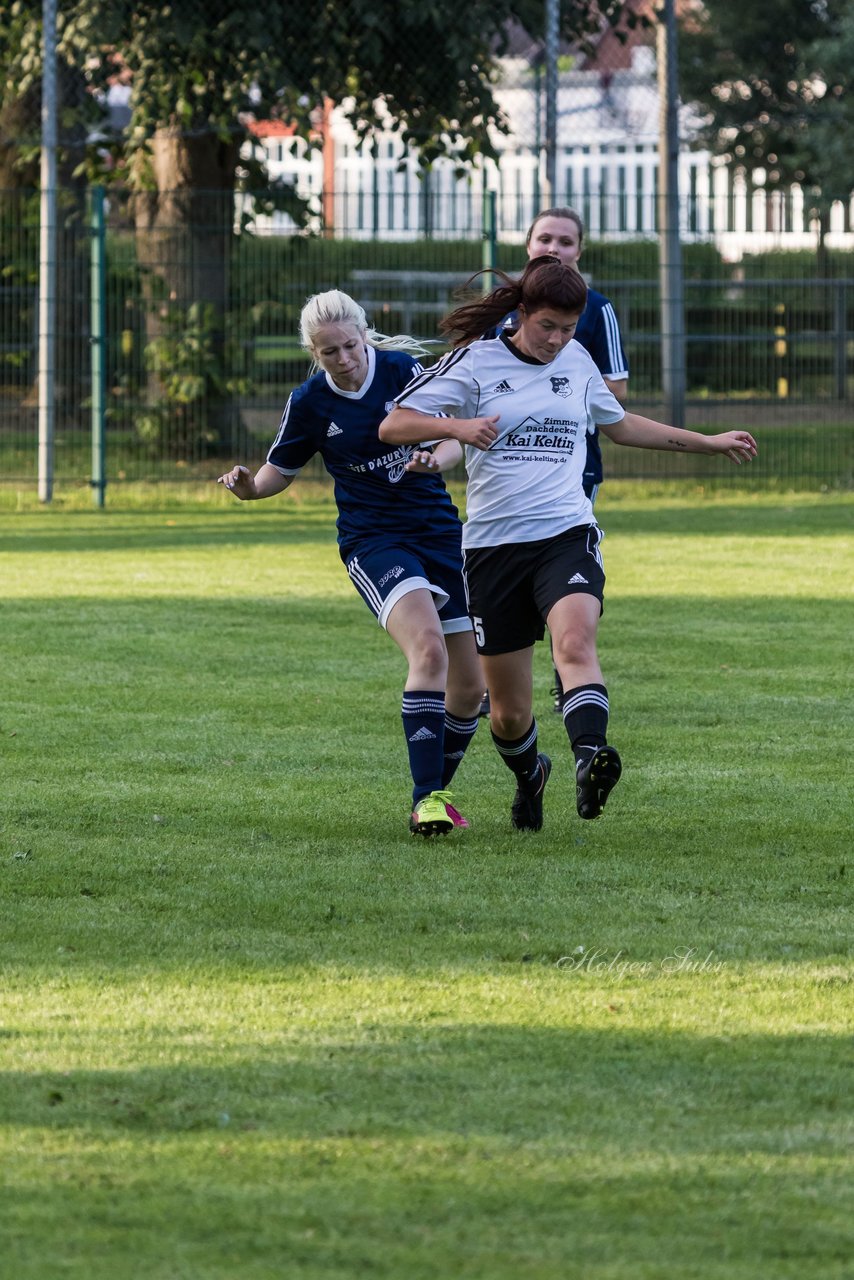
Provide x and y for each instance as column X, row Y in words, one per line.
column 560, row 232
column 399, row 534
column 522, row 406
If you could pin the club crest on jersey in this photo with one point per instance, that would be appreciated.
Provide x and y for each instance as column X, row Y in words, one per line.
column 561, row 387
column 397, row 466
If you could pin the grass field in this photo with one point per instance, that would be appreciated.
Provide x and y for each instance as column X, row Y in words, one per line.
column 250, row 1029
column 797, row 452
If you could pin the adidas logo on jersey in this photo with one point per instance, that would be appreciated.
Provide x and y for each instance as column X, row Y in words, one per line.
column 422, row 735
column 334, row 430
column 577, row 577
column 502, row 386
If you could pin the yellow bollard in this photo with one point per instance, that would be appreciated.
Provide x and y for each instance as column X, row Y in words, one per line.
column 781, row 348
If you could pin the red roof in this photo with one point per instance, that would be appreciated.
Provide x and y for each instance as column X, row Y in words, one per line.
column 272, row 129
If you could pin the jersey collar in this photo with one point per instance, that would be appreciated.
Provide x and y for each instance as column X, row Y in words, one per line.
column 520, row 355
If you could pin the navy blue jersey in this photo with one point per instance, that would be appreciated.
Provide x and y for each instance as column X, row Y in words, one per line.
column 598, row 332
column 375, row 494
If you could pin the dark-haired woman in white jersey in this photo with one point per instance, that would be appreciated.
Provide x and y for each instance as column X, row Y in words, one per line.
column 520, row 410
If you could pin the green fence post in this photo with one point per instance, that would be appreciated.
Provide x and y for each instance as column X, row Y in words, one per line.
column 98, row 341
column 840, row 344
column 489, row 237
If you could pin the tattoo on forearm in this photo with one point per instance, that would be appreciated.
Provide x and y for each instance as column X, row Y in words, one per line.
column 677, row 444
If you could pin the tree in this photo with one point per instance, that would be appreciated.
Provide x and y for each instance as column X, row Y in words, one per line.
column 833, row 57
column 20, row 110
column 770, row 82
column 201, row 69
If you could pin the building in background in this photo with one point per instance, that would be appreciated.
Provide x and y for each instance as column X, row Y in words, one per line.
column 607, row 166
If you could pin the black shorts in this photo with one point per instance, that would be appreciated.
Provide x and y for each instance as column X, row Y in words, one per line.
column 512, row 588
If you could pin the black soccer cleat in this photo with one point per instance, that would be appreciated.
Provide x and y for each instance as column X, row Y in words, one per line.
column 527, row 811
column 595, row 779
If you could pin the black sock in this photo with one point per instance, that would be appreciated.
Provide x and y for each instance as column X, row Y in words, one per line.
column 520, row 755
column 585, row 718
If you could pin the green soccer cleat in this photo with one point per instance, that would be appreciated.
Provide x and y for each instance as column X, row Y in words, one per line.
column 431, row 816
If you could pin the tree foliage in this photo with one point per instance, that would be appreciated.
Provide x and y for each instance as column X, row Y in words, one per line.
column 203, row 67
column 202, row 70
column 771, row 82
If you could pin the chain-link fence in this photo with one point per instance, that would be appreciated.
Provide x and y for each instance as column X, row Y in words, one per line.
column 200, row 347
column 175, row 342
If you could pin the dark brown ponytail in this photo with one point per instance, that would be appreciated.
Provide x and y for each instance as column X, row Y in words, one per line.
column 545, row 282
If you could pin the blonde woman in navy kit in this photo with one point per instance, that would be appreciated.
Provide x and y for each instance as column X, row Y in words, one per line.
column 399, row 535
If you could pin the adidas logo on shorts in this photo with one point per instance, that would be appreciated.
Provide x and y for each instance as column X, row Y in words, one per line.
column 578, row 577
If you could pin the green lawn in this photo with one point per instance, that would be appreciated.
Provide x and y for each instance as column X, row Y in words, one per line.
column 801, row 454
column 250, row 1029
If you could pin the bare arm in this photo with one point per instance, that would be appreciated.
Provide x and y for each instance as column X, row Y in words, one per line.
column 267, row 481
column 445, row 456
column 409, row 426
column 644, row 433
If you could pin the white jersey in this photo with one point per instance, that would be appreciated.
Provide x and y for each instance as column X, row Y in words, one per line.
column 528, row 484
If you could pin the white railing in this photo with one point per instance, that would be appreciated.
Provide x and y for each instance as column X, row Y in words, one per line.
column 612, row 180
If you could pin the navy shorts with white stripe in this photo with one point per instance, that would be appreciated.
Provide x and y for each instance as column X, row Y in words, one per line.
column 382, row 572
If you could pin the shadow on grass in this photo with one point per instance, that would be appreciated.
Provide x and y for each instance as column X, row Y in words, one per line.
column 170, row 530
column 464, row 1151
column 629, row 1090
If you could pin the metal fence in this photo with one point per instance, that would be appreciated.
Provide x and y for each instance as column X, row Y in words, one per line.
column 176, row 342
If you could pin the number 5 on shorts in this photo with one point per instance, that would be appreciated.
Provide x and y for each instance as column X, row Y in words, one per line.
column 477, row 623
